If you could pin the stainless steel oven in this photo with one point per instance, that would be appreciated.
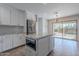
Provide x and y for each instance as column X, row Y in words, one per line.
column 31, row 43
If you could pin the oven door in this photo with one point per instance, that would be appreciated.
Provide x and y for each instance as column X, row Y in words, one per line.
column 31, row 43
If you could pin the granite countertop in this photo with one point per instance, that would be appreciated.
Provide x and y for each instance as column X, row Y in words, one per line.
column 38, row 36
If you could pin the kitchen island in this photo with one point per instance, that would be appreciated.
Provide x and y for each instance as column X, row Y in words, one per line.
column 38, row 45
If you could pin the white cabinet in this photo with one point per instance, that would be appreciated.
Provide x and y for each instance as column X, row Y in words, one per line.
column 7, row 42
column 5, row 15
column 17, row 17
column 22, row 20
column 20, row 17
column 1, row 44
column 22, row 39
column 18, row 40
column 11, row 41
column 43, row 46
column 11, row 16
column 15, row 40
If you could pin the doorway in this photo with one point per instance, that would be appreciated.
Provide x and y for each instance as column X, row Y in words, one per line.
column 66, row 30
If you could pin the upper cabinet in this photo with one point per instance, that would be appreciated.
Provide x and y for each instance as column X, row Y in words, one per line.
column 4, row 15
column 17, row 17
column 20, row 17
column 11, row 16
column 14, row 17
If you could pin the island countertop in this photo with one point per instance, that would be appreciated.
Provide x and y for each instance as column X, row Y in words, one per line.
column 38, row 44
column 38, row 36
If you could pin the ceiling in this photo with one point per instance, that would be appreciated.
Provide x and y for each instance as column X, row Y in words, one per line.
column 49, row 9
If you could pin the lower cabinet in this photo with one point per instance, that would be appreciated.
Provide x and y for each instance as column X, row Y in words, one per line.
column 11, row 41
column 7, row 42
column 22, row 39
column 43, row 46
column 15, row 40
column 0, row 43
column 18, row 40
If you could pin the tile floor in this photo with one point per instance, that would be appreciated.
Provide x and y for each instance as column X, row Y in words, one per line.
column 65, row 47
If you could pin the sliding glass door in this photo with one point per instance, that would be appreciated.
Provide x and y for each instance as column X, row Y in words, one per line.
column 57, row 29
column 69, row 30
column 66, row 30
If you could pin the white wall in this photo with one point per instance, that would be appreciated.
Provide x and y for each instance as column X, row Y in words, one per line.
column 30, row 15
column 40, row 25
column 45, row 23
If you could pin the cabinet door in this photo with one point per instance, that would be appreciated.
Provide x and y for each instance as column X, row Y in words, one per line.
column 5, row 14
column 20, row 15
column 17, row 17
column 13, row 21
column 16, row 40
column 22, row 39
column 22, row 18
column 1, row 44
column 10, row 41
column 6, row 42
column 14, row 16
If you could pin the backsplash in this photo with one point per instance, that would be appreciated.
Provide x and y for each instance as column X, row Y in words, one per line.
column 4, row 29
